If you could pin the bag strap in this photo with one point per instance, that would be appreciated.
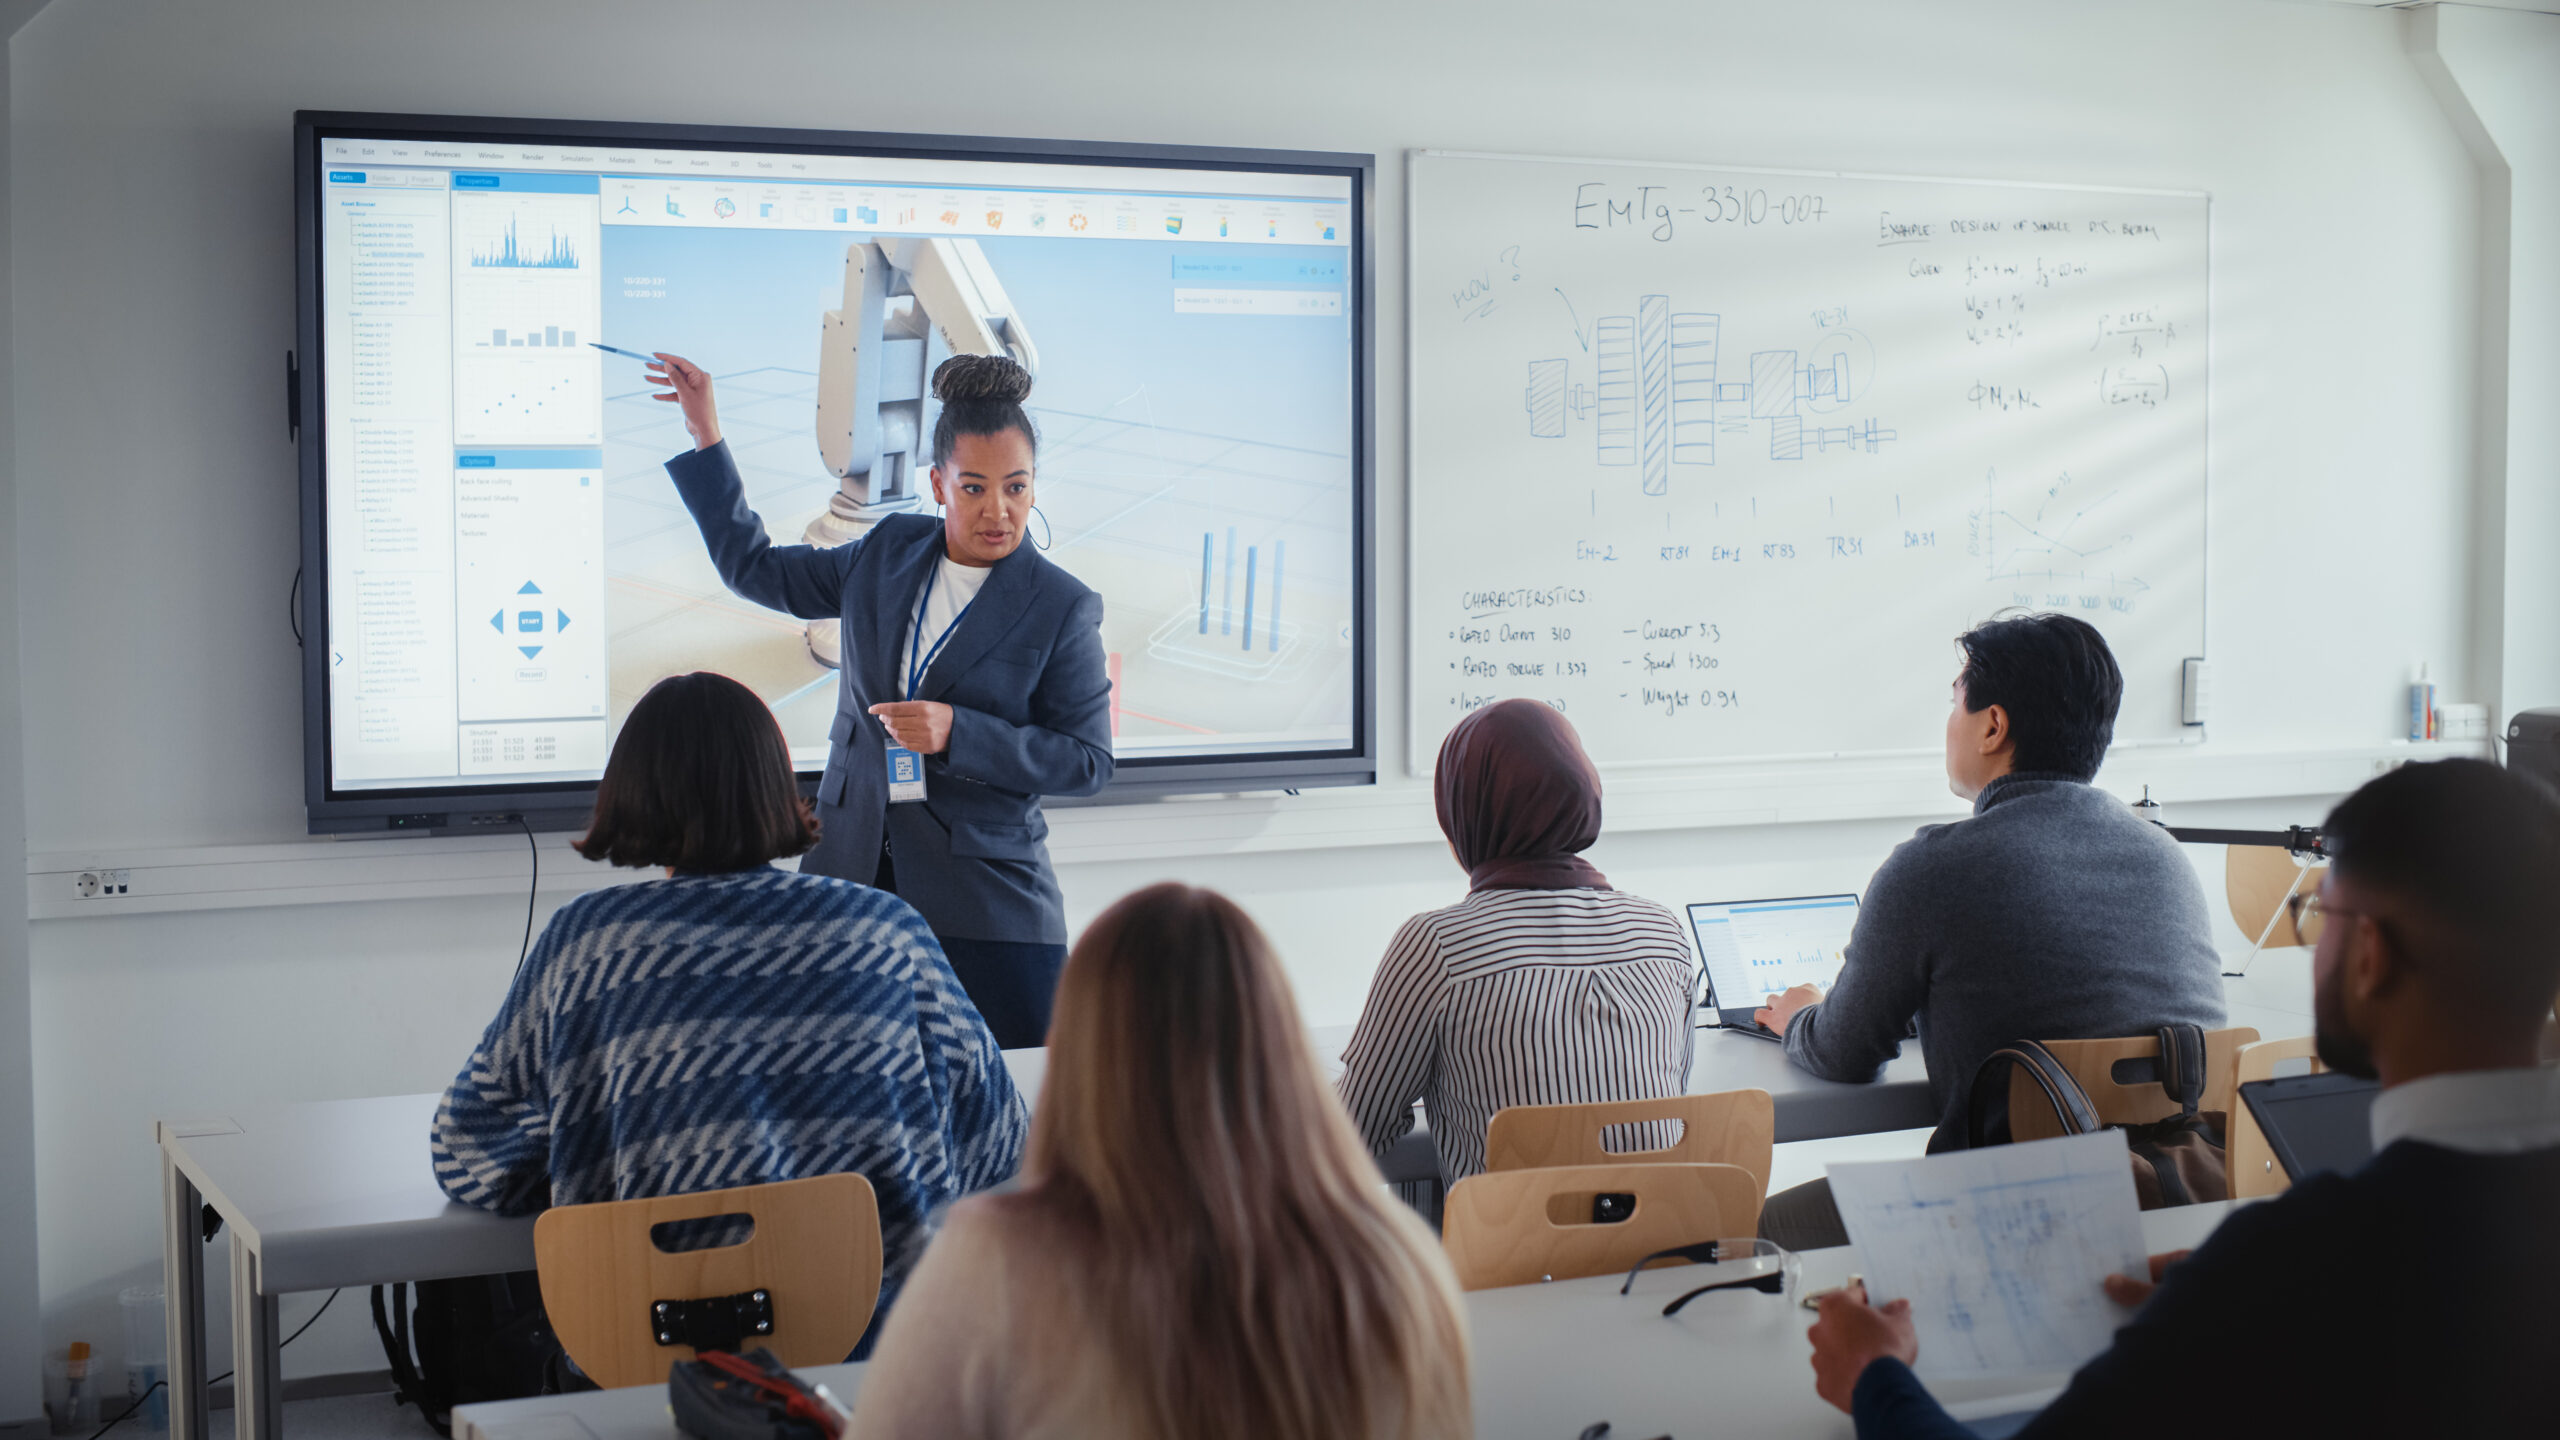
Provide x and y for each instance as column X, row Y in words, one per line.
column 2181, row 1066
column 393, row 1329
column 2072, row 1108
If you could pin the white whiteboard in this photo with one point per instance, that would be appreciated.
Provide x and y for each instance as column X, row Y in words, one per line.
column 1719, row 461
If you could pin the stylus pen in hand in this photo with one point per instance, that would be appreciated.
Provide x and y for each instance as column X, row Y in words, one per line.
column 627, row 354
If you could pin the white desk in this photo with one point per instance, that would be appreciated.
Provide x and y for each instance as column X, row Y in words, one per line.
column 1807, row 1108
column 1549, row 1360
column 339, row 1193
column 315, row 1197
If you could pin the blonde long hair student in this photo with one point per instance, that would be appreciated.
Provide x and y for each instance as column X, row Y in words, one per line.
column 1202, row 1246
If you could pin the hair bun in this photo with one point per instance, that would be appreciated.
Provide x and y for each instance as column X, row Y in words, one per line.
column 981, row 377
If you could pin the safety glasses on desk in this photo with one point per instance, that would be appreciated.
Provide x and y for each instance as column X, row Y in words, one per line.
column 1773, row 1270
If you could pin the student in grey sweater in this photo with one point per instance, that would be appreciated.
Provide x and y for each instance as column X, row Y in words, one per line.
column 2053, row 913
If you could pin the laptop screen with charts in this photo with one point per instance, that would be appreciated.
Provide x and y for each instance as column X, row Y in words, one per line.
column 1753, row 949
column 2315, row 1122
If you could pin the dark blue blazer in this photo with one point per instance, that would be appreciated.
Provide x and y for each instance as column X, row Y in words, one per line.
column 1024, row 675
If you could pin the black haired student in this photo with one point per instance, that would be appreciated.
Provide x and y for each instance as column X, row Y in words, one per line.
column 972, row 666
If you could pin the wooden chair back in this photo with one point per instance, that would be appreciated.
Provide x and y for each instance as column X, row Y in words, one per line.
column 2093, row 1064
column 2251, row 1162
column 2255, row 881
column 1736, row 1127
column 815, row 1251
column 1517, row 1227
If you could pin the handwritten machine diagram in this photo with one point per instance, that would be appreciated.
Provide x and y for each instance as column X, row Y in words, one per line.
column 1776, row 462
column 1656, row 398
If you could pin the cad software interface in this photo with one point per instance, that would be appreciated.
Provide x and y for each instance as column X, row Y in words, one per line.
column 510, row 567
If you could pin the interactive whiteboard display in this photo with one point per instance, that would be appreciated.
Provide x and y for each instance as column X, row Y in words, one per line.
column 506, row 567
column 1719, row 461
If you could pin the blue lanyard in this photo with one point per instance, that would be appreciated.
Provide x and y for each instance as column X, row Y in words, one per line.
column 915, row 636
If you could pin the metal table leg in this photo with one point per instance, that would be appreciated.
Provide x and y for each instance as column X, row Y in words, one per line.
column 256, row 1361
column 182, row 1260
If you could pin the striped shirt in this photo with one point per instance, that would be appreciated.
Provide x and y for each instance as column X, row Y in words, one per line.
column 709, row 1031
column 1521, row 997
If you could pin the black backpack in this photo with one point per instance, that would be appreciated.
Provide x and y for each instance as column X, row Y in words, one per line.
column 2176, row 1161
column 482, row 1337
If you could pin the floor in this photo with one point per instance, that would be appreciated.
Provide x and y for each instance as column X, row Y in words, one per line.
column 336, row 1417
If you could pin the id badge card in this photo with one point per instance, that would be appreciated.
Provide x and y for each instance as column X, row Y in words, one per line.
column 906, row 775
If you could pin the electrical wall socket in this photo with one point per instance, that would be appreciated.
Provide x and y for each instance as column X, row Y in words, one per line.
column 100, row 884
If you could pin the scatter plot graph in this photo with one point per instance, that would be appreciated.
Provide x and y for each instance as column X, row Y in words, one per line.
column 529, row 401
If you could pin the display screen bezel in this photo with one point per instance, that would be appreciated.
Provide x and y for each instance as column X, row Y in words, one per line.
column 471, row 805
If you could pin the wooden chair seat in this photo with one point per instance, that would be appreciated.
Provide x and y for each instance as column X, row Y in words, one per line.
column 1735, row 1127
column 815, row 1250
column 1517, row 1227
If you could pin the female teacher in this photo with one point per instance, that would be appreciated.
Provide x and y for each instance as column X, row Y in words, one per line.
column 973, row 683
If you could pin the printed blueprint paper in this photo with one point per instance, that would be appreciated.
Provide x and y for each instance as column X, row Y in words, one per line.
column 2001, row 1251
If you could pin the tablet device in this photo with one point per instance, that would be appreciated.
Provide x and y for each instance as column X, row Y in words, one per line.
column 2315, row 1122
column 1750, row 950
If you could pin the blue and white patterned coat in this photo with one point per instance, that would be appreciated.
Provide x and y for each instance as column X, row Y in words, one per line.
column 707, row 1031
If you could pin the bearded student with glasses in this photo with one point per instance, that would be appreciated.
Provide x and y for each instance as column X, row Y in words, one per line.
column 2415, row 1295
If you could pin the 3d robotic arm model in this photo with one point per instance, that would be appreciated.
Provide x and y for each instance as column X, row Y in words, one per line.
column 908, row 306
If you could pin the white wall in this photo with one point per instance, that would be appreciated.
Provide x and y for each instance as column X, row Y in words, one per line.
column 20, row 1381
column 157, row 492
column 2498, row 75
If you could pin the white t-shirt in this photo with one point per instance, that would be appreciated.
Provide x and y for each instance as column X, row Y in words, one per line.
column 954, row 586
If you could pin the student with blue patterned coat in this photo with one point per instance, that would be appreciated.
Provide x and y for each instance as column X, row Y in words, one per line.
column 731, row 1024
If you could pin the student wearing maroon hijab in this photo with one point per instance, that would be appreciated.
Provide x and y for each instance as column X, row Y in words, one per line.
column 1543, row 986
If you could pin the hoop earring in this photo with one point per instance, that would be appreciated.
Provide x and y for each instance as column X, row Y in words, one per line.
column 1045, row 534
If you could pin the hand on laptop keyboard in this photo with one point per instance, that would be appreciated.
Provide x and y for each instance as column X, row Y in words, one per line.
column 1781, row 1009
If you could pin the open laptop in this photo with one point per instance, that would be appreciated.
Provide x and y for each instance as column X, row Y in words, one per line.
column 2315, row 1122
column 1753, row 949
